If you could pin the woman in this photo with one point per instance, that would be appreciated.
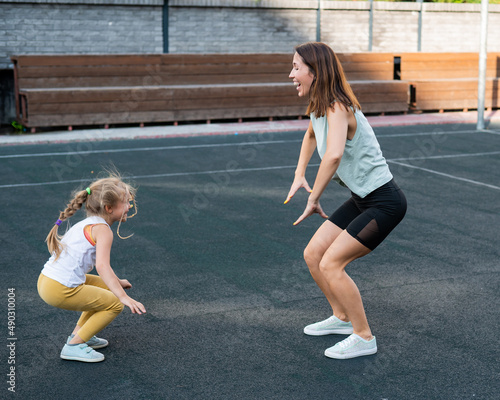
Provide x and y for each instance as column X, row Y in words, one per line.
column 350, row 155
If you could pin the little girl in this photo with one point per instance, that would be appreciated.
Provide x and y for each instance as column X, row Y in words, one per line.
column 65, row 282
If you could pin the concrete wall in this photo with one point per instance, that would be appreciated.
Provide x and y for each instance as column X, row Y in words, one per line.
column 279, row 25
column 57, row 27
column 230, row 26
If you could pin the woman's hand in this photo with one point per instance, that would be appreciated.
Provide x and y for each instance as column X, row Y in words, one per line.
column 312, row 207
column 296, row 185
column 125, row 283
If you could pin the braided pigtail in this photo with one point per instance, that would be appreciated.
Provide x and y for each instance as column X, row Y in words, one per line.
column 53, row 238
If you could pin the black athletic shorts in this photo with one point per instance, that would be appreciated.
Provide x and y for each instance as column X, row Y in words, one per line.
column 372, row 218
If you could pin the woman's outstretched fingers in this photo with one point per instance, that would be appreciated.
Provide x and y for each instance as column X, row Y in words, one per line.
column 291, row 193
column 300, row 219
column 295, row 187
column 288, row 197
column 311, row 208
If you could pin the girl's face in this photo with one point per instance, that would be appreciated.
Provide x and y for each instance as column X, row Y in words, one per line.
column 119, row 211
column 301, row 75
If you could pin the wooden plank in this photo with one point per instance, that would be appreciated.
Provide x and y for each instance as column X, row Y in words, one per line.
column 179, row 58
column 368, row 67
column 440, row 75
column 248, row 58
column 443, row 96
column 437, row 56
column 452, row 65
column 439, row 65
column 83, row 59
column 158, row 105
column 187, row 115
column 450, row 84
column 154, row 69
column 48, row 61
column 368, row 75
column 380, row 107
column 188, row 104
column 77, row 64
column 397, row 97
column 152, row 80
column 459, row 104
column 169, row 79
column 161, row 116
column 365, row 57
column 379, row 86
column 160, row 92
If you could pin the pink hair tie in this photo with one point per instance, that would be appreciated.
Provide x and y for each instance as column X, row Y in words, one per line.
column 58, row 222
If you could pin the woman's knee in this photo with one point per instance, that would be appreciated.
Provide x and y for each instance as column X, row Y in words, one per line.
column 311, row 257
column 330, row 268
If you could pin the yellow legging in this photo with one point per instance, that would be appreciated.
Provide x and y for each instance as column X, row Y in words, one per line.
column 99, row 305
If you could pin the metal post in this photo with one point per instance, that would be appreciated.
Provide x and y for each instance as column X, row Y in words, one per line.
column 481, row 87
column 165, row 26
column 420, row 12
column 370, row 28
column 318, row 22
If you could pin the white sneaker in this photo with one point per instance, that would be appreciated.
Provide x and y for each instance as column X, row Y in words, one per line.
column 353, row 346
column 332, row 325
column 80, row 352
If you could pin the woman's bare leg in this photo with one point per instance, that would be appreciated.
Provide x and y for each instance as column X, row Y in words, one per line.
column 313, row 254
column 339, row 254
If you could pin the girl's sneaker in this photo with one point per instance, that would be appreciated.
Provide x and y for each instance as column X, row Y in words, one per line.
column 353, row 346
column 94, row 342
column 80, row 352
column 332, row 325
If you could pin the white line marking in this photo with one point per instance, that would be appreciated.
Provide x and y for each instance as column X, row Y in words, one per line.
column 69, row 153
column 446, row 156
column 446, row 175
column 229, row 171
column 426, row 133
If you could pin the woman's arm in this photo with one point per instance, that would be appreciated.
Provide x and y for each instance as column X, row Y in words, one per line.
column 306, row 152
column 338, row 123
column 104, row 239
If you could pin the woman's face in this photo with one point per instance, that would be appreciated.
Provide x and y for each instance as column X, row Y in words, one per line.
column 301, row 75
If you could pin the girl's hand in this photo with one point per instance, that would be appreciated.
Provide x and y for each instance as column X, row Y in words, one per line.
column 135, row 306
column 125, row 283
column 312, row 207
column 296, row 185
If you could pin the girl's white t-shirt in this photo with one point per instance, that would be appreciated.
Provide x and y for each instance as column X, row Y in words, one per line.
column 77, row 257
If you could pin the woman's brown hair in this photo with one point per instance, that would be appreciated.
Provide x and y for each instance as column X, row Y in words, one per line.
column 330, row 83
column 101, row 193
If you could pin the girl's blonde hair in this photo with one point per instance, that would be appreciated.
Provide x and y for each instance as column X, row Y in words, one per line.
column 103, row 192
column 330, row 83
